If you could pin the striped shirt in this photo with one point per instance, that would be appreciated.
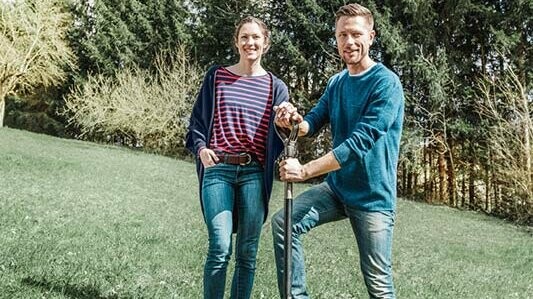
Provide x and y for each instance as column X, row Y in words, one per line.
column 243, row 106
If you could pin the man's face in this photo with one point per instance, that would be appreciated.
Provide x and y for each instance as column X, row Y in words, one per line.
column 354, row 37
column 251, row 41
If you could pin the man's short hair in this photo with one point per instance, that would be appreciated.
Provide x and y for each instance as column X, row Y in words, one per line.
column 354, row 10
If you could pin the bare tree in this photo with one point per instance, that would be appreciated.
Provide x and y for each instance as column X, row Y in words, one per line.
column 149, row 110
column 507, row 108
column 33, row 49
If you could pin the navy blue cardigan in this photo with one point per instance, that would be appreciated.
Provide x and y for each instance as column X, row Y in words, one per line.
column 201, row 124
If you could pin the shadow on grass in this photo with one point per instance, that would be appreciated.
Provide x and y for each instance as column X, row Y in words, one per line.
column 71, row 291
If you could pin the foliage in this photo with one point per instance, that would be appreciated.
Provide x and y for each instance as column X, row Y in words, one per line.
column 33, row 50
column 151, row 110
column 34, row 112
column 109, row 35
column 439, row 48
column 106, row 222
column 507, row 111
column 452, row 44
column 213, row 25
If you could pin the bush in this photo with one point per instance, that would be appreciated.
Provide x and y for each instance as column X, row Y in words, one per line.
column 140, row 108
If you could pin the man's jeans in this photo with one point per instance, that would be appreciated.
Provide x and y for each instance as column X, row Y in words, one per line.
column 373, row 232
column 223, row 186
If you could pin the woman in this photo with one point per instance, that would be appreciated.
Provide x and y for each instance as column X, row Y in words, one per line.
column 232, row 133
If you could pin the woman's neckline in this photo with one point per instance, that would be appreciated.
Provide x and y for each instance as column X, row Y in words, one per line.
column 233, row 72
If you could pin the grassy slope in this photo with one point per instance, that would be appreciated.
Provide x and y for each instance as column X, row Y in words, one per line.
column 81, row 220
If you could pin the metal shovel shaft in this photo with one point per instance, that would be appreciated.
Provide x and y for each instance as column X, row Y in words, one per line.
column 288, row 240
column 290, row 152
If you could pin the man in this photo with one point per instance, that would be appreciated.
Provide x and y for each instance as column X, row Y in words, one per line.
column 364, row 104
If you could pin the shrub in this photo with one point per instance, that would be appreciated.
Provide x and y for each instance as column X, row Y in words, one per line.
column 141, row 108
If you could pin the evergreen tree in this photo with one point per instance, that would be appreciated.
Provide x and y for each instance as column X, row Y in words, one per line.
column 113, row 34
column 213, row 26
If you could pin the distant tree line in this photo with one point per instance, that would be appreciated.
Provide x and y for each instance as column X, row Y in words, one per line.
column 466, row 67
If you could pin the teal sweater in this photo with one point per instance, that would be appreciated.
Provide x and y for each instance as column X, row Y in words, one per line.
column 366, row 116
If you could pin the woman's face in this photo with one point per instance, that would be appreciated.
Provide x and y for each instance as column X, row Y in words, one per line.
column 251, row 41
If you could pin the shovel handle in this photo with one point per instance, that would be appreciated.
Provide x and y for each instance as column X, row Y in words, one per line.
column 289, row 152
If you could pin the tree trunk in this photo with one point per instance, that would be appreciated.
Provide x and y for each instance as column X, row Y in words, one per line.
column 430, row 191
column 487, row 190
column 2, row 111
column 498, row 198
column 463, row 189
column 452, row 190
column 471, row 188
column 408, row 184
column 425, row 164
column 527, row 139
column 442, row 177
column 441, row 160
column 405, row 190
column 413, row 182
column 494, row 195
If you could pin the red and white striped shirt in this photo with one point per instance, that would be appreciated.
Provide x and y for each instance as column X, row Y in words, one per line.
column 243, row 106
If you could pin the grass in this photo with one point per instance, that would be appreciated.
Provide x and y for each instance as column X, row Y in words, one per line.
column 83, row 220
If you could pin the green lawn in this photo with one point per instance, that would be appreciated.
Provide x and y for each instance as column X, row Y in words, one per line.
column 82, row 220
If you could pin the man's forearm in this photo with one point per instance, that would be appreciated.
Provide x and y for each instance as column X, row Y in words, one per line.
column 322, row 165
column 303, row 128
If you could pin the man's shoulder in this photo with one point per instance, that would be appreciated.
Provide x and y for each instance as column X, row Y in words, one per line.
column 384, row 72
column 335, row 78
column 387, row 80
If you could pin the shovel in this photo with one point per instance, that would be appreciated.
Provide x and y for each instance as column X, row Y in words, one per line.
column 289, row 152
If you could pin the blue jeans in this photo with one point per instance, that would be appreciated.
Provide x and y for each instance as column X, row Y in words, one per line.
column 224, row 187
column 373, row 232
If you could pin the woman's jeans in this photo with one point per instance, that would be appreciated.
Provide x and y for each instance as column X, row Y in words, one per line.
column 373, row 232
column 224, row 187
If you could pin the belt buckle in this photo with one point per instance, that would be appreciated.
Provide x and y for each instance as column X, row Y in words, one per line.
column 247, row 155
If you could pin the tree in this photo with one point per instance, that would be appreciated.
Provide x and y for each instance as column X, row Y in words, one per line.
column 507, row 111
column 33, row 50
column 213, row 25
column 451, row 45
column 111, row 35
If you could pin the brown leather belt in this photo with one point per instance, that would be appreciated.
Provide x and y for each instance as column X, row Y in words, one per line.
column 235, row 159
